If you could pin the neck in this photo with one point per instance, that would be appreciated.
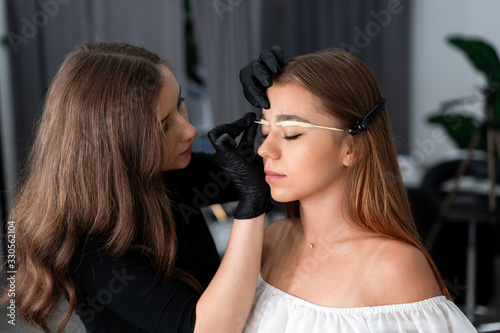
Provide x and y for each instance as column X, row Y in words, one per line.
column 322, row 219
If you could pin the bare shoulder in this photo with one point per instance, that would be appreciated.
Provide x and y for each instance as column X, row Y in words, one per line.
column 400, row 273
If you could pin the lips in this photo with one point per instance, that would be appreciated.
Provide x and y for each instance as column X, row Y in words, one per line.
column 272, row 176
column 187, row 151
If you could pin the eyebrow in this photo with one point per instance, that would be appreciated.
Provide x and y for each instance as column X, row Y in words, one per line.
column 294, row 120
column 287, row 117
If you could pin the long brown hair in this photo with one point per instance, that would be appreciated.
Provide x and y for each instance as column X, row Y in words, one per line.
column 93, row 173
column 374, row 196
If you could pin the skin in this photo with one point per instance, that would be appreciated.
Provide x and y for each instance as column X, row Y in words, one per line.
column 179, row 133
column 348, row 266
column 289, row 150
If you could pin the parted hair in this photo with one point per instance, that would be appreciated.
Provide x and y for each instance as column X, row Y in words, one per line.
column 374, row 195
column 93, row 173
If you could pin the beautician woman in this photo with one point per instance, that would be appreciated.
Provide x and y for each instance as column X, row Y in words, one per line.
column 94, row 224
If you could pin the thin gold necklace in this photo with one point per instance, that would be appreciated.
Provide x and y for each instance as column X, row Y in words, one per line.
column 311, row 244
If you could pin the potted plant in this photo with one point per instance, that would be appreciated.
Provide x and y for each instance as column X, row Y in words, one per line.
column 462, row 127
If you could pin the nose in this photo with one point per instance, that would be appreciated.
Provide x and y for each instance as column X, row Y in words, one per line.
column 188, row 131
column 269, row 148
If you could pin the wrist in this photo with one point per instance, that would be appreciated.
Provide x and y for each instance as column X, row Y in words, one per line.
column 245, row 211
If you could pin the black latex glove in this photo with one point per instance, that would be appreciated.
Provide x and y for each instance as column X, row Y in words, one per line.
column 256, row 78
column 238, row 162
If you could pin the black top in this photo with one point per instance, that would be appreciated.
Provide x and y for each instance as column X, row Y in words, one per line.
column 127, row 294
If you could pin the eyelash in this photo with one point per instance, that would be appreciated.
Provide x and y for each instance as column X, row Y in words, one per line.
column 179, row 103
column 293, row 137
column 264, row 122
column 181, row 100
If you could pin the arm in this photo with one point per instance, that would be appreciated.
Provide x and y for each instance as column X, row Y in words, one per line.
column 129, row 294
column 225, row 305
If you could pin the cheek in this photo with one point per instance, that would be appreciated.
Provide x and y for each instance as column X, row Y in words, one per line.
column 312, row 163
column 166, row 155
column 309, row 169
column 312, row 154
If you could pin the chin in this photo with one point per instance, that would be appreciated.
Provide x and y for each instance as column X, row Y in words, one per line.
column 180, row 163
column 282, row 195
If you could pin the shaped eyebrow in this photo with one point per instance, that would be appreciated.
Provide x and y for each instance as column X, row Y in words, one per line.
column 282, row 118
column 287, row 117
column 286, row 123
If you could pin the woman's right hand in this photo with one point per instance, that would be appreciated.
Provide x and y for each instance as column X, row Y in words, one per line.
column 255, row 76
column 238, row 161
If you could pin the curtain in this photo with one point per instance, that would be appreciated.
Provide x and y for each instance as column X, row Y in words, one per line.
column 41, row 32
column 228, row 36
column 232, row 32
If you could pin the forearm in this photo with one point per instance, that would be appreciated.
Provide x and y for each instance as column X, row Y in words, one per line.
column 226, row 303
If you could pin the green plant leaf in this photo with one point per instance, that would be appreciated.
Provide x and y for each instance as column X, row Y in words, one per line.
column 460, row 129
column 482, row 55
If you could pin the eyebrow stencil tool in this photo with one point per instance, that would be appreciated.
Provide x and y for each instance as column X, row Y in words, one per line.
column 287, row 123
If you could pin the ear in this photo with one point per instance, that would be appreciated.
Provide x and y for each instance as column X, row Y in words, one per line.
column 352, row 151
column 347, row 152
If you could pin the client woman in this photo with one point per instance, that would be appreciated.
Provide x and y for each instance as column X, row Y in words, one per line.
column 348, row 257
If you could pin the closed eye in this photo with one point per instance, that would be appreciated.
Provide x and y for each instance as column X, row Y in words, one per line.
column 293, row 137
column 181, row 100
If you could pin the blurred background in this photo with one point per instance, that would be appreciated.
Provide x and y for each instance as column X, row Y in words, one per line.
column 404, row 42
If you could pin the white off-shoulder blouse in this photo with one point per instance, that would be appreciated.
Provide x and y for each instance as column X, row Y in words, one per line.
column 276, row 311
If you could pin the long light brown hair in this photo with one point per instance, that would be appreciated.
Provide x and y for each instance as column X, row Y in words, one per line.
column 374, row 195
column 93, row 173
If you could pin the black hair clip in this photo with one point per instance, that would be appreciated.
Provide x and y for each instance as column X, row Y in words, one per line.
column 362, row 125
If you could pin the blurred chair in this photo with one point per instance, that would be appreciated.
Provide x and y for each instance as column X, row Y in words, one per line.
column 462, row 238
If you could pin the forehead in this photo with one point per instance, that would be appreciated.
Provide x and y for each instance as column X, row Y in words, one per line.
column 169, row 93
column 169, row 80
column 291, row 101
